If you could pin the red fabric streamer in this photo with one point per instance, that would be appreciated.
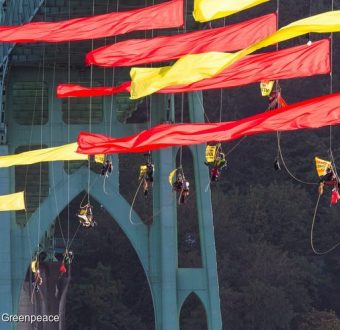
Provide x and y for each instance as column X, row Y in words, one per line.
column 72, row 90
column 313, row 113
column 300, row 61
column 165, row 15
column 165, row 48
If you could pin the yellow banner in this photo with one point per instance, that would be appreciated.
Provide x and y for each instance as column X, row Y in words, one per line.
column 207, row 10
column 210, row 154
column 65, row 152
column 266, row 87
column 99, row 159
column 322, row 166
column 12, row 202
column 195, row 67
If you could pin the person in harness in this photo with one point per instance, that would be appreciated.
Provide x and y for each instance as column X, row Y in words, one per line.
column 66, row 262
column 181, row 186
column 37, row 278
column 328, row 177
column 146, row 174
column 219, row 163
column 106, row 168
column 216, row 161
column 85, row 216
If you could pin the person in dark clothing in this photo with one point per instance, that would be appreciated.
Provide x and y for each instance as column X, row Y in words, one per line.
column 181, row 185
column 107, row 168
column 332, row 180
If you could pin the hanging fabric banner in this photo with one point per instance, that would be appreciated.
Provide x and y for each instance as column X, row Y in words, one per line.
column 71, row 90
column 100, row 159
column 165, row 15
column 195, row 67
column 61, row 153
column 207, row 10
column 313, row 113
column 322, row 166
column 12, row 202
column 266, row 87
column 300, row 61
column 165, row 48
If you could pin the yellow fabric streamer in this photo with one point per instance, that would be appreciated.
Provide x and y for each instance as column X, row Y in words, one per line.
column 207, row 10
column 65, row 152
column 171, row 175
column 195, row 67
column 12, row 202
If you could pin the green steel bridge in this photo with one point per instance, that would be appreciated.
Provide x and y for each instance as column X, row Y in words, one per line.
column 32, row 117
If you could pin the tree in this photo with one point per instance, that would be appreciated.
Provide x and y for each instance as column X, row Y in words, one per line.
column 319, row 320
column 95, row 303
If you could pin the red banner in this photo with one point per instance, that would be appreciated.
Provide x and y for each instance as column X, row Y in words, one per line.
column 165, row 15
column 72, row 90
column 300, row 61
column 142, row 51
column 313, row 113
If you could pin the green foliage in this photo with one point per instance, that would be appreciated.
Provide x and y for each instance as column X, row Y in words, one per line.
column 319, row 320
column 97, row 297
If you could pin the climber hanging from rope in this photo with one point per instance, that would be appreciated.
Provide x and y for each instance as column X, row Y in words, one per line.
column 37, row 278
column 146, row 174
column 275, row 101
column 215, row 160
column 328, row 177
column 66, row 262
column 85, row 216
column 106, row 168
column 181, row 185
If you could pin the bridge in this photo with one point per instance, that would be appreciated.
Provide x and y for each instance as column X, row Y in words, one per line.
column 32, row 117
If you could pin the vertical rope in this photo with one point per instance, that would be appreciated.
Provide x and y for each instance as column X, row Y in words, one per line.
column 90, row 115
column 331, row 81
column 277, row 81
column 27, row 166
column 51, row 143
column 113, row 80
column 221, row 90
column 182, row 94
column 41, row 138
column 105, row 72
column 68, row 129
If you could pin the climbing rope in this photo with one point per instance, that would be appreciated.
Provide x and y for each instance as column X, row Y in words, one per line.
column 133, row 203
column 312, row 233
column 285, row 166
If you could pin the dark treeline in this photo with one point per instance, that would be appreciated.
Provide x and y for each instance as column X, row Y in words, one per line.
column 268, row 274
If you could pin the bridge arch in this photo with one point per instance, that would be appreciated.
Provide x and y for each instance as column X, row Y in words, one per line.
column 59, row 198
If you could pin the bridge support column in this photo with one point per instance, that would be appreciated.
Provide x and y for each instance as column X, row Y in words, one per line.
column 6, row 301
column 205, row 219
column 163, row 231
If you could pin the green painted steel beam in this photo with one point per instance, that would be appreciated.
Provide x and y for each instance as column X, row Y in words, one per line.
column 205, row 219
column 6, row 301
